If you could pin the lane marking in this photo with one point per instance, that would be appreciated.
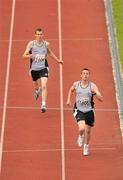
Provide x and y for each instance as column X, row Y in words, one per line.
column 61, row 91
column 54, row 39
column 58, row 149
column 58, row 108
column 7, row 82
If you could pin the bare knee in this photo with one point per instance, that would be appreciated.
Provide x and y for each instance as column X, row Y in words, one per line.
column 44, row 87
column 88, row 132
column 81, row 129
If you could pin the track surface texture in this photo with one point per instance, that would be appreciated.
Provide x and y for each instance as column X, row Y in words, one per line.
column 36, row 146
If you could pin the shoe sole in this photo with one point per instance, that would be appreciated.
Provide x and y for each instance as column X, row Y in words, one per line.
column 79, row 145
column 43, row 110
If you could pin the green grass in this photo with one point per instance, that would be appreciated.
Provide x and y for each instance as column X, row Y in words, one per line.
column 117, row 6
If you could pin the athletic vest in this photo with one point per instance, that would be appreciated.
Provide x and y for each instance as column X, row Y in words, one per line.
column 84, row 98
column 39, row 54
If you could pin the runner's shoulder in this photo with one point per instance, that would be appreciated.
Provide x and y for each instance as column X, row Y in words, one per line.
column 75, row 84
column 30, row 43
column 93, row 84
column 47, row 43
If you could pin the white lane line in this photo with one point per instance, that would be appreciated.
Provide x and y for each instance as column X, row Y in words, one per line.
column 7, row 82
column 61, row 91
column 58, row 109
column 58, row 149
column 55, row 39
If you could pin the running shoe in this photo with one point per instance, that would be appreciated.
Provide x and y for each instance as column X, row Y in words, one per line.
column 85, row 150
column 37, row 93
column 80, row 141
column 43, row 108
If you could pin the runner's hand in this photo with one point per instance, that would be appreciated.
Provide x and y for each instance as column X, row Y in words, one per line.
column 61, row 62
column 68, row 103
column 93, row 92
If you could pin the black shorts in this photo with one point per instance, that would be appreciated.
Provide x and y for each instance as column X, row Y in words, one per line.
column 38, row 74
column 88, row 117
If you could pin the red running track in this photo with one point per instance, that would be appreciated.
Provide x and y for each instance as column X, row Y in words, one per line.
column 32, row 141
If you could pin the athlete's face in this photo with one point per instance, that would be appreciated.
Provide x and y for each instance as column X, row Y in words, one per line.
column 39, row 35
column 85, row 75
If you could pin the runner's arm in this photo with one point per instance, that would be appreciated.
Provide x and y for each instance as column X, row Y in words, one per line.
column 96, row 92
column 51, row 54
column 70, row 92
column 27, row 54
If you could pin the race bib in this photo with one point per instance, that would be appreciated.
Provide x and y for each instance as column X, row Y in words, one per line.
column 39, row 57
column 85, row 102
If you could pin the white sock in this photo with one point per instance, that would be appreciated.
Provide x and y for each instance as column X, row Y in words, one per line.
column 43, row 103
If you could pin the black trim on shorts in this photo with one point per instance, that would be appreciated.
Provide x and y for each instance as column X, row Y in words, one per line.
column 30, row 52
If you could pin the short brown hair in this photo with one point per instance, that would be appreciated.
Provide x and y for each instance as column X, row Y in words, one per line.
column 39, row 29
column 86, row 69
